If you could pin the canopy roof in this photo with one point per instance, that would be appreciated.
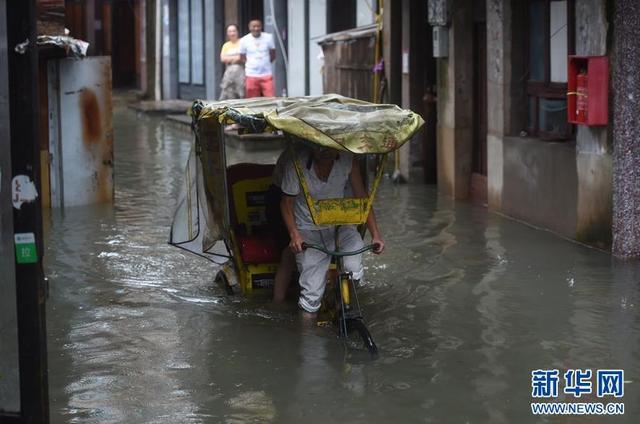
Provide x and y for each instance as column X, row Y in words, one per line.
column 330, row 120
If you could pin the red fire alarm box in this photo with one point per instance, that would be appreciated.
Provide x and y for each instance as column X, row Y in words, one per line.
column 588, row 90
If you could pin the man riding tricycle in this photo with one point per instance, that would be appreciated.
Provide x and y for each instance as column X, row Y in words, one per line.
column 293, row 182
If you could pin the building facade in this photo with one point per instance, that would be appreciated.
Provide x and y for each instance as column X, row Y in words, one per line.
column 192, row 32
column 490, row 77
column 503, row 106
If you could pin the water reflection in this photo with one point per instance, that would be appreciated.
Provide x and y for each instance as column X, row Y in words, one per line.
column 463, row 305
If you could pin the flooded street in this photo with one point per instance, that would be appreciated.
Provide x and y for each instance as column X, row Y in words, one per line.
column 463, row 305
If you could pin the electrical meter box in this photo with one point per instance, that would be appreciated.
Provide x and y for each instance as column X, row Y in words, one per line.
column 588, row 90
column 440, row 41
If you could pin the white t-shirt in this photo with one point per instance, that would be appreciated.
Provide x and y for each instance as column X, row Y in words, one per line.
column 257, row 51
column 281, row 166
column 333, row 188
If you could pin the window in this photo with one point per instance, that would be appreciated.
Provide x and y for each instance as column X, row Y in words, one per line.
column 549, row 42
column 191, row 42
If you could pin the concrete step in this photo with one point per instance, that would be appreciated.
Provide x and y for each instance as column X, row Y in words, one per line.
column 162, row 107
column 181, row 122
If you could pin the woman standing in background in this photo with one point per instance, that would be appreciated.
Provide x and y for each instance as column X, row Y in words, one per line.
column 232, row 84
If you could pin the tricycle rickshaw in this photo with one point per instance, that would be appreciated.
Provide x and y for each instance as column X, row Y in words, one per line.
column 222, row 216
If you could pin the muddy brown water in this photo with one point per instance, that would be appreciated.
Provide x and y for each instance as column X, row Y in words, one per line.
column 463, row 305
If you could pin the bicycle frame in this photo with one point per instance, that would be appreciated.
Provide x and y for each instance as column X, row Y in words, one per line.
column 349, row 314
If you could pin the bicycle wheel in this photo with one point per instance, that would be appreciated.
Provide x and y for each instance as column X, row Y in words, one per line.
column 358, row 325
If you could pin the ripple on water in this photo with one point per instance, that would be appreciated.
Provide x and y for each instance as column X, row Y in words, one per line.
column 251, row 407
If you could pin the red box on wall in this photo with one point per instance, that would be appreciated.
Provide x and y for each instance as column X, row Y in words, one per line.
column 588, row 90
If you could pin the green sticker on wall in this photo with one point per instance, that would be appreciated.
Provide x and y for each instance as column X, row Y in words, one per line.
column 26, row 248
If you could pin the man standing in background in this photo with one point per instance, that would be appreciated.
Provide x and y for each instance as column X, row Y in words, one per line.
column 257, row 51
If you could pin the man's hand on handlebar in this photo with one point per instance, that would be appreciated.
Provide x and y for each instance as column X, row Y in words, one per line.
column 379, row 245
column 296, row 242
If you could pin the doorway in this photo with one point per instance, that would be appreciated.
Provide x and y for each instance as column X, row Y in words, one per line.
column 123, row 57
column 191, row 65
column 248, row 10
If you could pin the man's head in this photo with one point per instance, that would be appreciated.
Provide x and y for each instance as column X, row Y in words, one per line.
column 255, row 27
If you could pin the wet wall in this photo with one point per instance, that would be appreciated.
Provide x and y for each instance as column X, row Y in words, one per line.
column 455, row 105
column 562, row 186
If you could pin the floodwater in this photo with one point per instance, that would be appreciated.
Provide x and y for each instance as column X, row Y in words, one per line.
column 463, row 305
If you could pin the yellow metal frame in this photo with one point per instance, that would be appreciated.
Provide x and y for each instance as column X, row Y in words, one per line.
column 245, row 271
column 343, row 211
column 245, row 214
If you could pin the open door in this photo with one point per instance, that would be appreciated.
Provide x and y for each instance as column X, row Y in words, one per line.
column 124, row 43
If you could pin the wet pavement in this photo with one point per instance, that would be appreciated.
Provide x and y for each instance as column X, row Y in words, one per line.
column 463, row 305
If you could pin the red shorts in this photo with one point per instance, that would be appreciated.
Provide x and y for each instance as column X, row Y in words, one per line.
column 259, row 86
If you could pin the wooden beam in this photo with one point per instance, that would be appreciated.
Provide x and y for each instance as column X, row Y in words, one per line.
column 25, row 160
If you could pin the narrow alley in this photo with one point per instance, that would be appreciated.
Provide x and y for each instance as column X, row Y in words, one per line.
column 463, row 305
column 319, row 211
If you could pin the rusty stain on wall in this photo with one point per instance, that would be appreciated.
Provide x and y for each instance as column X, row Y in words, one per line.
column 90, row 115
column 97, row 139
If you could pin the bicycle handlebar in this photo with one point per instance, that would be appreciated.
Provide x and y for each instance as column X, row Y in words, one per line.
column 371, row 247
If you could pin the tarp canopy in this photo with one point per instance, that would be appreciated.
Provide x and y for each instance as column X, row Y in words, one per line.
column 201, row 224
column 330, row 120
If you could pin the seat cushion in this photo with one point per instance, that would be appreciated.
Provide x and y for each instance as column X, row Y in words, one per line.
column 256, row 249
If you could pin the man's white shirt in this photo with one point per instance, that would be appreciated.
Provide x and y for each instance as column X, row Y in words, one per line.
column 256, row 50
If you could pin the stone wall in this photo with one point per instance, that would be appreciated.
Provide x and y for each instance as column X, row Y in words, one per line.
column 626, row 130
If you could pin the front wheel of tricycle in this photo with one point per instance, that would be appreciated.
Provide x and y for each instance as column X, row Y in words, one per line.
column 358, row 325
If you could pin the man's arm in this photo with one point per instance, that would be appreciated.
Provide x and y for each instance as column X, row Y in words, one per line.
column 359, row 191
column 286, row 208
column 243, row 52
column 272, row 47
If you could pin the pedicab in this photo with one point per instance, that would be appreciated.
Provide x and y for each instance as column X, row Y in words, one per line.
column 222, row 213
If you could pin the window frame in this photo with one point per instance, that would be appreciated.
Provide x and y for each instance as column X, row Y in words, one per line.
column 547, row 89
